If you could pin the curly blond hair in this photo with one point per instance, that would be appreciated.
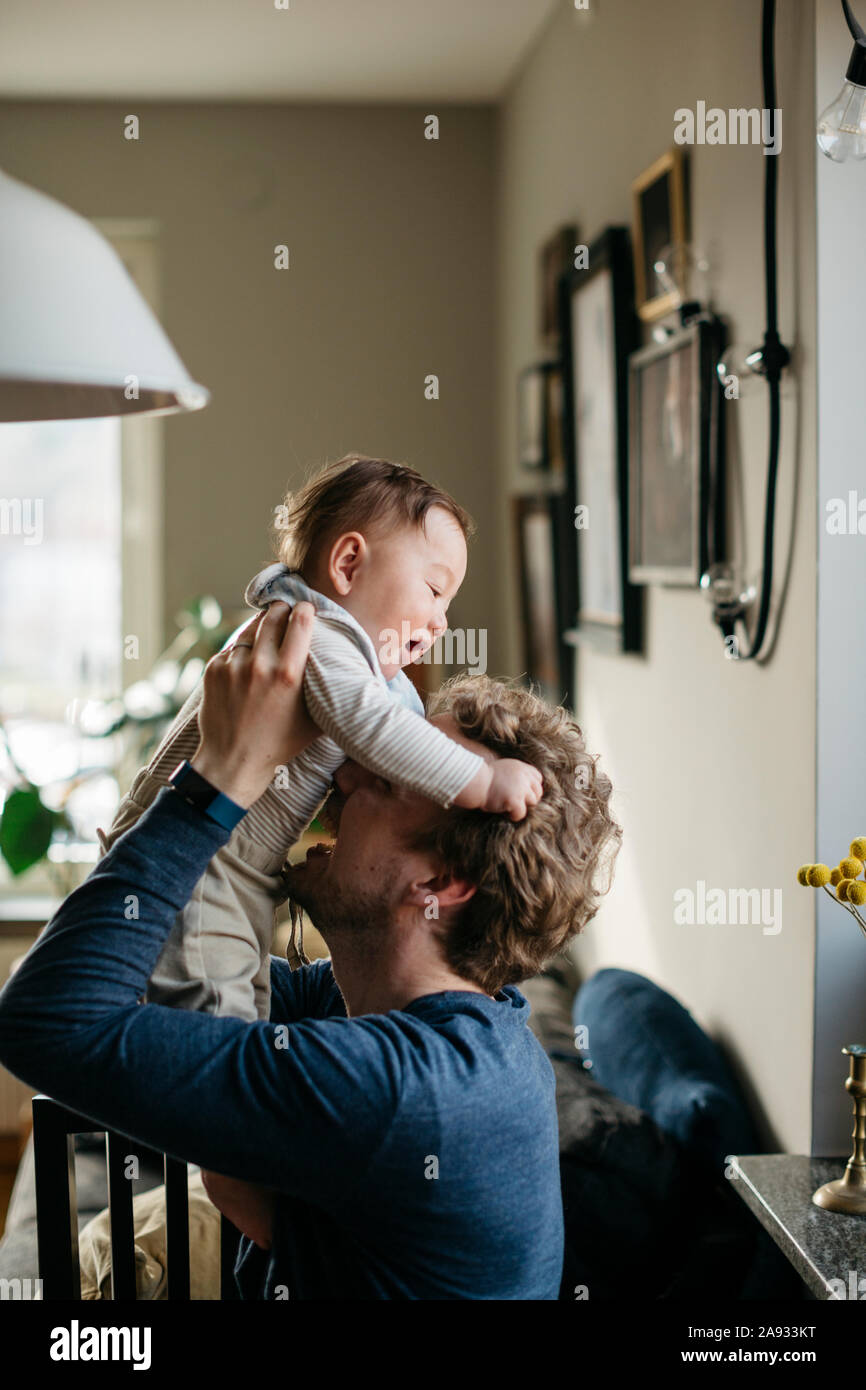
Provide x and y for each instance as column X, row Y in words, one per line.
column 538, row 881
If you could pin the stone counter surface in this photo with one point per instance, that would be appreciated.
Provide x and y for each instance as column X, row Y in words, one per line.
column 827, row 1248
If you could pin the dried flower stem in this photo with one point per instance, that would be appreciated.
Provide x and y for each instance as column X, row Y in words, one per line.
column 849, row 906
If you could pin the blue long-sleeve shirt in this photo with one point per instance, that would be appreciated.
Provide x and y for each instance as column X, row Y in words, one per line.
column 414, row 1153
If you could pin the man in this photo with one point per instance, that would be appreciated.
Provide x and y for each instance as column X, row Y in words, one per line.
column 391, row 1131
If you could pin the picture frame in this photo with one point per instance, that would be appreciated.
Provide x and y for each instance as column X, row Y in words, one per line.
column 540, row 446
column 554, row 415
column 660, row 220
column 544, row 656
column 676, row 457
column 555, row 256
column 599, row 332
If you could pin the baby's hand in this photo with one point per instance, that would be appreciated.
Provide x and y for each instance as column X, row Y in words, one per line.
column 514, row 787
column 501, row 784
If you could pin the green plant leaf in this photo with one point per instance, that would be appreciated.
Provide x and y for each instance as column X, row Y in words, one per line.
column 26, row 828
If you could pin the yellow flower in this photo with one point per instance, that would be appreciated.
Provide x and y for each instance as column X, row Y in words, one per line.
column 858, row 847
column 819, row 874
column 803, row 874
column 851, row 868
column 857, row 892
column 834, row 878
column 842, row 888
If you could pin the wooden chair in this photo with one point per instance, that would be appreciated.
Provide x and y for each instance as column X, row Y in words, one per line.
column 54, row 1127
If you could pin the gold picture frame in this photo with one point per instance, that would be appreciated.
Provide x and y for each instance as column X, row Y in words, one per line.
column 660, row 218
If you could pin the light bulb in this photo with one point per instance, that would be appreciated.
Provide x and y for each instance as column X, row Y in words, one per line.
column 842, row 127
column 727, row 590
column 683, row 271
column 742, row 373
column 739, row 370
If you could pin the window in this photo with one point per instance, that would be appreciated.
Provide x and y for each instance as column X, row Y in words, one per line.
column 60, row 565
column 79, row 573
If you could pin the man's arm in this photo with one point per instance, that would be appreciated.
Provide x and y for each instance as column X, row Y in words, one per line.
column 298, row 1107
column 284, row 1105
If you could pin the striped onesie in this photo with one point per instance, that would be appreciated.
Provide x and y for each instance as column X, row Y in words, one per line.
column 216, row 957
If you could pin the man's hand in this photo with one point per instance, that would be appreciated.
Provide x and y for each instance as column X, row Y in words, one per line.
column 253, row 718
column 247, row 1206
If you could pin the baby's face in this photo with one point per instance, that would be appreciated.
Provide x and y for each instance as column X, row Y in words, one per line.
column 401, row 593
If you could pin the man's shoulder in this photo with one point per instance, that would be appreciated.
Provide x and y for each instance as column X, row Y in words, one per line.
column 451, row 1039
column 476, row 1044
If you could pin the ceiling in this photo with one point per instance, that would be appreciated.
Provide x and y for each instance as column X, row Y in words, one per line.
column 248, row 50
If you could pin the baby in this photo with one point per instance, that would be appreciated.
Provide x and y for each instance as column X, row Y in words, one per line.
column 380, row 553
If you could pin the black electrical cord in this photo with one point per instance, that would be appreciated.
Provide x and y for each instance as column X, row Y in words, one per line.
column 774, row 355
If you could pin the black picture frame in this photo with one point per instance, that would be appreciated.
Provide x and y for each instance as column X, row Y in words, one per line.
column 555, row 255
column 539, row 421
column 676, row 457
column 596, row 306
column 546, row 659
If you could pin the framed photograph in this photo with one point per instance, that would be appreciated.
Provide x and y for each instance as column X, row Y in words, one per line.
column 676, row 483
column 660, row 201
column 531, row 417
column 554, row 413
column 543, row 652
column 555, row 257
column 599, row 332
column 539, row 420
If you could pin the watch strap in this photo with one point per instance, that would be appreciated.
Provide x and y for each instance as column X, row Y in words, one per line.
column 202, row 794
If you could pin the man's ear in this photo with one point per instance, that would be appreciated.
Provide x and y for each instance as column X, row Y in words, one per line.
column 445, row 890
column 347, row 555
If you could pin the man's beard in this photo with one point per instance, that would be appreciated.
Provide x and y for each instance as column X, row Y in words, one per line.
column 337, row 912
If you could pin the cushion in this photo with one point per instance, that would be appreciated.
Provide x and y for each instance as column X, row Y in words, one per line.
column 151, row 1260
column 623, row 1179
column 19, row 1257
column 647, row 1049
column 623, row 1188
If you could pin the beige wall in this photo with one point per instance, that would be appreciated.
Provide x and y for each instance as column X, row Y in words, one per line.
column 713, row 762
column 391, row 278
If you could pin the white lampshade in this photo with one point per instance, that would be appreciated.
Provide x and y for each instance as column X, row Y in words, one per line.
column 77, row 340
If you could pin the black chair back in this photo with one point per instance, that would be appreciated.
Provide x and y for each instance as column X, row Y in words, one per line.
column 54, row 1128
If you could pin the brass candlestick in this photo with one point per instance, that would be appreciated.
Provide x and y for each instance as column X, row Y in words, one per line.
column 848, row 1193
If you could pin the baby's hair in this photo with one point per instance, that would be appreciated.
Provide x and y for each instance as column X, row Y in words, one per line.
column 355, row 494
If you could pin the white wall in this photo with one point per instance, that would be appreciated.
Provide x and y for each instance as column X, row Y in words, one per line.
column 713, row 761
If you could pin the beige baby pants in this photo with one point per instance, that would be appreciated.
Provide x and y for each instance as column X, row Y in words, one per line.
column 216, row 959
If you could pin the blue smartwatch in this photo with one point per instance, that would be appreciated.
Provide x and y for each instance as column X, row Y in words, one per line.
column 199, row 792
